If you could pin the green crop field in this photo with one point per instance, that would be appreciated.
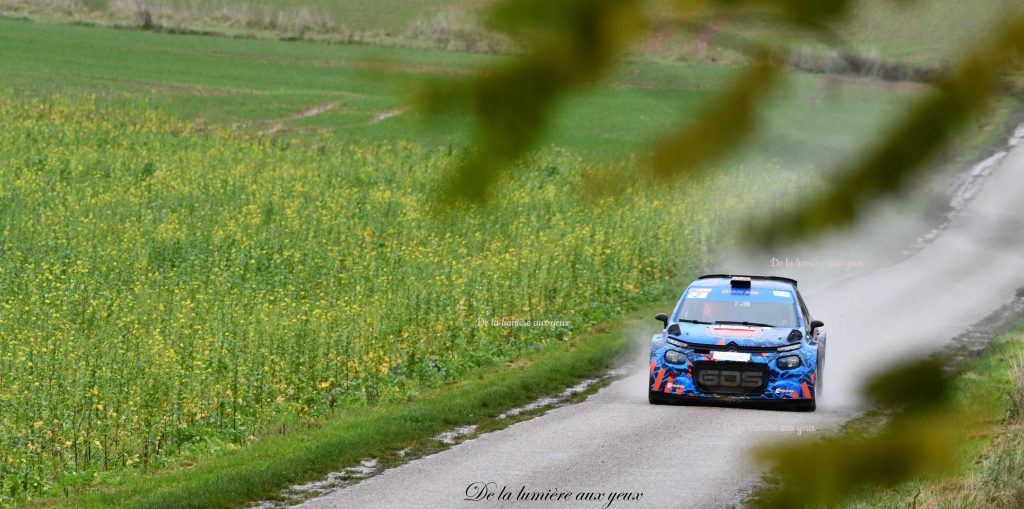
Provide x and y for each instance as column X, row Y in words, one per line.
column 204, row 237
column 163, row 288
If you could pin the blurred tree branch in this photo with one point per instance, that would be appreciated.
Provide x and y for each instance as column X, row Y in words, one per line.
column 921, row 436
column 721, row 126
column 903, row 152
column 569, row 44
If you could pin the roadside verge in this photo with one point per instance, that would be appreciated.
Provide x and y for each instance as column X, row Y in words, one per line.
column 943, row 434
column 989, row 470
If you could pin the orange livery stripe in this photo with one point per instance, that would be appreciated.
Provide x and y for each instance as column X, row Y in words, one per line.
column 657, row 381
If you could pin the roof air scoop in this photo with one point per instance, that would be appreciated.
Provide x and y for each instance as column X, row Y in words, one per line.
column 740, row 282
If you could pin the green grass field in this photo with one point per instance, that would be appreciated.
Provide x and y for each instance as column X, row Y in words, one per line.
column 261, row 86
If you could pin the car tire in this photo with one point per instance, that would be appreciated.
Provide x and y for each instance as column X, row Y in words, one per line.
column 656, row 398
column 806, row 406
column 818, row 372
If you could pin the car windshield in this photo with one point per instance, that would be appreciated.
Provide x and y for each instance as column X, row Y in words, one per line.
column 772, row 314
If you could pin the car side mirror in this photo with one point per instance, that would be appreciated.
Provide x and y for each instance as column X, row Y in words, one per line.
column 663, row 318
column 817, row 323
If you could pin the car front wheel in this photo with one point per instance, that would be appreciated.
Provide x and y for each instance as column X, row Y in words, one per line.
column 656, row 398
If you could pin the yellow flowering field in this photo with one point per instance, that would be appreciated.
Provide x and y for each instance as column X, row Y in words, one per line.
column 166, row 292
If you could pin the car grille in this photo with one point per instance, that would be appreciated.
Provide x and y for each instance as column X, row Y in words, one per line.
column 733, row 347
column 730, row 377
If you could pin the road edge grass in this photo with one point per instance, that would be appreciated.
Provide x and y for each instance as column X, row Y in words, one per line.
column 988, row 463
column 260, row 471
column 989, row 469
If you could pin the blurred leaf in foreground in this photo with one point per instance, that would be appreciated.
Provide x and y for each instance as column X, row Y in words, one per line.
column 920, row 439
column 569, row 43
column 813, row 13
column 721, row 126
column 902, row 153
column 915, row 386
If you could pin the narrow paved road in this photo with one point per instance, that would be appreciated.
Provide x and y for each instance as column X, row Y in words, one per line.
column 699, row 457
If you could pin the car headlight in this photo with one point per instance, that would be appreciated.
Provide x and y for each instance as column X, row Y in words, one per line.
column 674, row 357
column 788, row 362
column 673, row 341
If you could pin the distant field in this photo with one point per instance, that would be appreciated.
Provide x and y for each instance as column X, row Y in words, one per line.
column 928, row 33
column 389, row 17
column 924, row 32
column 444, row 24
column 361, row 93
column 921, row 32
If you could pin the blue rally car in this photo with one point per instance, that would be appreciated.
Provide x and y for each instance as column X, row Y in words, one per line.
column 739, row 339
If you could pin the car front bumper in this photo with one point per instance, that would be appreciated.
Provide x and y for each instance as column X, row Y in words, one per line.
column 702, row 376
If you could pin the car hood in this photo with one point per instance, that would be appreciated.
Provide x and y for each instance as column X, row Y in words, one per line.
column 740, row 335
